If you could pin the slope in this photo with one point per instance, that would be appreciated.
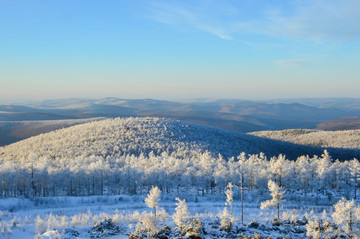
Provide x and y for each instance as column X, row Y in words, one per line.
column 126, row 136
column 339, row 139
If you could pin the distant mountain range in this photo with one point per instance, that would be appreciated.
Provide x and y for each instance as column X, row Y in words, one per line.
column 235, row 115
column 346, row 123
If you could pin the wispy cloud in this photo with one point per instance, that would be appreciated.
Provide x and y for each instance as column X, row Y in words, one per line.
column 290, row 63
column 190, row 17
column 315, row 20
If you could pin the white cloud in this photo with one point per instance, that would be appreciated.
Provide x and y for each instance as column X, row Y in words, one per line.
column 315, row 20
column 191, row 17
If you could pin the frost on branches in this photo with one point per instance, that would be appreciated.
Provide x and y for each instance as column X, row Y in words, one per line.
column 147, row 224
column 226, row 217
column 181, row 216
column 319, row 227
column 153, row 199
column 347, row 217
column 277, row 194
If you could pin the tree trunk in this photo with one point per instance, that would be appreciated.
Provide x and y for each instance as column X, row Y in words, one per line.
column 350, row 225
column 242, row 201
column 32, row 181
column 102, row 183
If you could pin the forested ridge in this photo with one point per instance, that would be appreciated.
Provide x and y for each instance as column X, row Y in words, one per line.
column 134, row 136
column 338, row 139
column 131, row 155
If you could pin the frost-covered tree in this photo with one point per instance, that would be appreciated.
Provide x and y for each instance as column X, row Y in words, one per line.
column 226, row 218
column 221, row 172
column 181, row 216
column 323, row 170
column 305, row 172
column 230, row 196
column 153, row 199
column 242, row 167
column 347, row 217
column 279, row 167
column 277, row 194
column 40, row 225
column 147, row 223
column 318, row 227
column 354, row 167
column 206, row 165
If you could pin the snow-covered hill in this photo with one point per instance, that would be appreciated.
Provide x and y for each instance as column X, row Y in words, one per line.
column 339, row 139
column 134, row 136
column 13, row 131
column 130, row 155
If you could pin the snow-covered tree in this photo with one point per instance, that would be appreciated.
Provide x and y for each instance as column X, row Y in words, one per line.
column 230, row 196
column 147, row 223
column 318, row 227
column 181, row 216
column 153, row 199
column 277, row 194
column 279, row 167
column 323, row 170
column 226, row 218
column 347, row 217
column 354, row 167
column 305, row 172
column 242, row 168
column 221, row 172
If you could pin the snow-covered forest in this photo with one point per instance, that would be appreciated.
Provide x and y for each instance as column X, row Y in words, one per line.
column 131, row 155
column 113, row 138
column 337, row 139
column 152, row 162
column 95, row 175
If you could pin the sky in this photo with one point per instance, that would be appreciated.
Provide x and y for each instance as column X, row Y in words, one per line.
column 246, row 49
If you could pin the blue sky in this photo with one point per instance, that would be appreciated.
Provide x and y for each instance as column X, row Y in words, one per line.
column 249, row 49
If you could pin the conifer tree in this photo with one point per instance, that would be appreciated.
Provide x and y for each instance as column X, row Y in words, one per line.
column 347, row 216
column 153, row 199
column 181, row 216
column 354, row 166
column 277, row 194
column 226, row 217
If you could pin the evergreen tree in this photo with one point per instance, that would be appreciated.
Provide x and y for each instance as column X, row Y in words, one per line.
column 354, row 166
column 153, row 199
column 277, row 194
column 347, row 216
column 181, row 216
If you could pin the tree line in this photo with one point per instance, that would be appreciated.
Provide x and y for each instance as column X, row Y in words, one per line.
column 95, row 175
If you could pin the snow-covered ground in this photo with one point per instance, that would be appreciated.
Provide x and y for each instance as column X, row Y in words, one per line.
column 74, row 217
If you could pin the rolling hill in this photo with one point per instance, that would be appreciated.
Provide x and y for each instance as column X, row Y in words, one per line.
column 339, row 139
column 236, row 115
column 13, row 131
column 112, row 138
column 346, row 123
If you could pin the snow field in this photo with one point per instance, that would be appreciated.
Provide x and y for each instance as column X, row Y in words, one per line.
column 82, row 213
